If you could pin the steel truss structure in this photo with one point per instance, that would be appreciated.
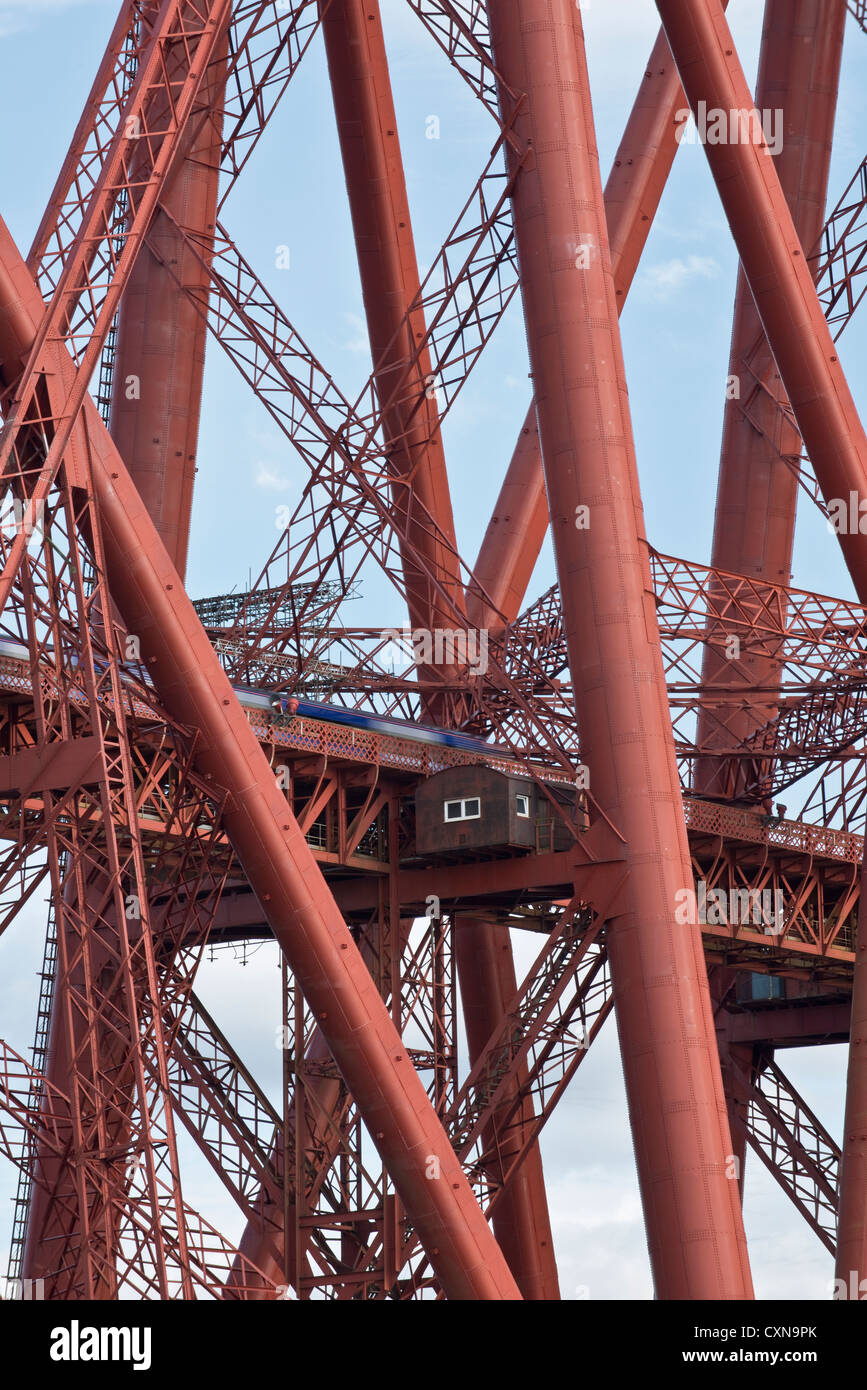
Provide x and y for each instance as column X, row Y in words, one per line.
column 656, row 705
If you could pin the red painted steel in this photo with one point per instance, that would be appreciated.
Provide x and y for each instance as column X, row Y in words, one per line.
column 799, row 73
column 486, row 971
column 754, row 528
column 158, row 372
column 644, row 158
column 798, row 336
column 693, row 1220
column 852, row 1193
column 514, row 537
column 774, row 264
column 733, row 1056
column 369, row 143
column 280, row 866
column 588, row 453
column 48, row 1223
column 160, row 355
column 367, row 127
column 511, row 544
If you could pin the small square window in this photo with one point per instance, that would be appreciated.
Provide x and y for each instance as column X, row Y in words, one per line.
column 523, row 806
column 462, row 810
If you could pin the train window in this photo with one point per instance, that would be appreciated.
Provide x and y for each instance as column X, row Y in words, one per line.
column 470, row 809
column 523, row 806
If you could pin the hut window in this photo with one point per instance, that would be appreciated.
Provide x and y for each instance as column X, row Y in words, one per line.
column 470, row 809
column 523, row 806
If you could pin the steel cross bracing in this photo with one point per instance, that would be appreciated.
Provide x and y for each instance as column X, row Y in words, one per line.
column 858, row 11
column 146, row 1237
column 794, row 1146
column 841, row 243
column 818, row 642
column 492, row 1274
column 40, row 1048
column 207, row 1255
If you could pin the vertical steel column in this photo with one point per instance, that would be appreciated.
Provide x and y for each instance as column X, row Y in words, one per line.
column 53, row 1239
column 806, row 357
column 507, row 557
column 160, row 355
column 276, row 858
column 265, row 1235
column 156, row 397
column 375, row 182
column 852, row 1212
column 370, row 147
column 511, row 544
column 734, row 1058
column 754, row 525
column 671, row 1067
column 754, row 522
column 486, row 972
column 514, row 537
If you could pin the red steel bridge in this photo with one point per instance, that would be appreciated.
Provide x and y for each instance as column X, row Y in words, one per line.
column 173, row 776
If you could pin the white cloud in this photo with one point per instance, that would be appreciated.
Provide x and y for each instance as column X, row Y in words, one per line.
column 359, row 341
column 668, row 278
column 268, row 477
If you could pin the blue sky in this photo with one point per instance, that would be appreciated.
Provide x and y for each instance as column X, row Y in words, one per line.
column 676, row 330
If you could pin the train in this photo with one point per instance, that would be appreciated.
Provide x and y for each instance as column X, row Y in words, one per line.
column 379, row 724
column 288, row 706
